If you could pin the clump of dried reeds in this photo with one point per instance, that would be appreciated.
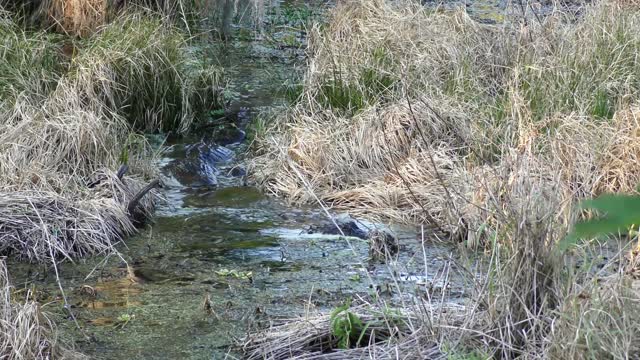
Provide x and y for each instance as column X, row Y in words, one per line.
column 140, row 67
column 311, row 337
column 68, row 124
column 405, row 110
column 598, row 319
column 25, row 333
column 68, row 121
column 78, row 17
column 39, row 225
column 82, row 18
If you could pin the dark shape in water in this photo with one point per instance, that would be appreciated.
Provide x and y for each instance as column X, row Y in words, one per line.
column 348, row 227
column 382, row 244
column 199, row 167
column 237, row 171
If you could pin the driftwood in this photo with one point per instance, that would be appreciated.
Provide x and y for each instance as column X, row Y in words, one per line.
column 133, row 203
column 122, row 171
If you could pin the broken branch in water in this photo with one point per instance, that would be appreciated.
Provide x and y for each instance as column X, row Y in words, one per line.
column 133, row 204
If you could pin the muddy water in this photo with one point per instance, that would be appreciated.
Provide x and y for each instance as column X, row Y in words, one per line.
column 220, row 260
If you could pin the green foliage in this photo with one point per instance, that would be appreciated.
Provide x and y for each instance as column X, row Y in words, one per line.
column 30, row 62
column 339, row 95
column 376, row 83
column 123, row 319
column 473, row 355
column 292, row 91
column 298, row 15
column 578, row 79
column 372, row 83
column 617, row 214
column 603, row 106
column 347, row 327
column 244, row 275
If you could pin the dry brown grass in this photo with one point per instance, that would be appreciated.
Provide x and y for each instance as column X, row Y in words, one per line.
column 430, row 100
column 78, row 17
column 491, row 132
column 69, row 123
column 25, row 331
column 311, row 337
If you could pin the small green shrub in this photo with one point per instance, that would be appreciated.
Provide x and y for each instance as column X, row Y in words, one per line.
column 603, row 107
column 347, row 327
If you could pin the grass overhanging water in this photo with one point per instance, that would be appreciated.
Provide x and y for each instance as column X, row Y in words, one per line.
column 73, row 110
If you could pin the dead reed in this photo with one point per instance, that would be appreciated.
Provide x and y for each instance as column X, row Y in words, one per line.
column 311, row 337
column 401, row 103
column 25, row 332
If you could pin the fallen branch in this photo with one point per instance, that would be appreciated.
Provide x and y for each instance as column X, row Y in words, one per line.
column 133, row 204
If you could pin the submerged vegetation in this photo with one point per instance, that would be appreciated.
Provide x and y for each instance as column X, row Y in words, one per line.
column 489, row 133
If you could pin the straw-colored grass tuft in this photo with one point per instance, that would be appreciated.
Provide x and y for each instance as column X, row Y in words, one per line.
column 407, row 112
column 73, row 163
column 78, row 17
column 25, row 331
column 38, row 225
column 68, row 123
column 621, row 155
column 492, row 133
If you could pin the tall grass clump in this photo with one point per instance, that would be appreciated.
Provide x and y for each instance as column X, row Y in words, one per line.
column 401, row 102
column 30, row 62
column 25, row 332
column 73, row 159
column 82, row 18
column 70, row 119
column 490, row 133
column 140, row 67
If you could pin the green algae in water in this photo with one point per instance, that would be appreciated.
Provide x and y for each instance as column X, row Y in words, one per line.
column 233, row 197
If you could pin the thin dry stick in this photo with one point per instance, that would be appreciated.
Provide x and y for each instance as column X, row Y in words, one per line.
column 55, row 268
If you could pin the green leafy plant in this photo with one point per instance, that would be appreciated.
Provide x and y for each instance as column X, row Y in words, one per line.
column 123, row 320
column 617, row 213
column 347, row 327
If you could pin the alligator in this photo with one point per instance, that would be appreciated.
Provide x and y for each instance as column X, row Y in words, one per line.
column 199, row 167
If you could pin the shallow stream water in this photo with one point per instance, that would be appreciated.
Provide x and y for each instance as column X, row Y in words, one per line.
column 220, row 260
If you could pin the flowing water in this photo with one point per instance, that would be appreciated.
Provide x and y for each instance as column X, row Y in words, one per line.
column 220, row 258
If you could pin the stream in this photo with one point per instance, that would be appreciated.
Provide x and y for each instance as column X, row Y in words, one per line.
column 220, row 258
